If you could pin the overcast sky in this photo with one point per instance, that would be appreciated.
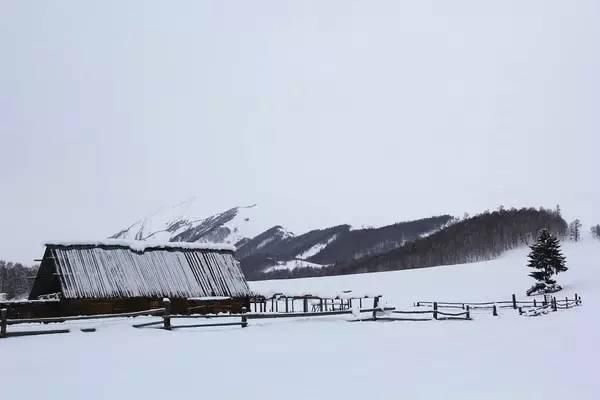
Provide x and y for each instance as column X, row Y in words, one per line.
column 321, row 112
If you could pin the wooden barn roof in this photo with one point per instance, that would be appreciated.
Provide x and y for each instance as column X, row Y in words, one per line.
column 115, row 269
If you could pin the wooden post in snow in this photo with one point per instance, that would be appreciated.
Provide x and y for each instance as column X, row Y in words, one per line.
column 435, row 309
column 567, row 302
column 321, row 304
column 305, row 304
column 3, row 322
column 520, row 310
column 287, row 304
column 468, row 312
column 495, row 311
column 534, row 303
column 244, row 318
column 375, row 305
column 167, row 314
column 514, row 301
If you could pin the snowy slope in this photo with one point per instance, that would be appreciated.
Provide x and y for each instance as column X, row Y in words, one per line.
column 292, row 265
column 186, row 223
column 552, row 357
column 317, row 248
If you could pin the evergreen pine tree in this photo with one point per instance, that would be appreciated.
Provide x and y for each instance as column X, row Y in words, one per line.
column 547, row 260
column 596, row 231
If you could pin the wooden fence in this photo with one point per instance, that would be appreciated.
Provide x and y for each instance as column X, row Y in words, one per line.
column 548, row 302
column 434, row 314
column 5, row 321
column 280, row 306
column 280, row 303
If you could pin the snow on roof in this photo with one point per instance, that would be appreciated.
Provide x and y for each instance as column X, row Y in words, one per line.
column 142, row 245
column 91, row 270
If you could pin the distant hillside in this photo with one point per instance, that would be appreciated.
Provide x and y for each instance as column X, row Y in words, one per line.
column 277, row 251
column 16, row 279
column 479, row 238
column 362, row 243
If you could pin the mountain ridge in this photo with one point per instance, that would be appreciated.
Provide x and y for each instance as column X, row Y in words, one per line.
column 274, row 249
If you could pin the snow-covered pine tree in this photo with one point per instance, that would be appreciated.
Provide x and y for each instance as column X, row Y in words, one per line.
column 547, row 260
column 575, row 230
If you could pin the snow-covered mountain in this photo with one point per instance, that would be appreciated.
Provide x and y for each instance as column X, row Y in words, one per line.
column 184, row 223
column 275, row 249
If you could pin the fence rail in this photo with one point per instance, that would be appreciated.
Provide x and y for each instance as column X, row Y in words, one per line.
column 5, row 322
column 319, row 307
column 547, row 302
column 435, row 313
column 280, row 302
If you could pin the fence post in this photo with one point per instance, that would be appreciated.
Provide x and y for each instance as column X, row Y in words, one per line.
column 435, row 308
column 3, row 322
column 554, row 307
column 567, row 302
column 375, row 305
column 514, row 301
column 244, row 318
column 520, row 310
column 305, row 304
column 468, row 312
column 287, row 305
column 167, row 314
column 495, row 311
column 321, row 304
column 534, row 303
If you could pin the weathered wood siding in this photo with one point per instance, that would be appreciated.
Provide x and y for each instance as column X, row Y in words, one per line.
column 88, row 272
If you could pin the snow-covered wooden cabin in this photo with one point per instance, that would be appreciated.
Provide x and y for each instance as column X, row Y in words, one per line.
column 114, row 276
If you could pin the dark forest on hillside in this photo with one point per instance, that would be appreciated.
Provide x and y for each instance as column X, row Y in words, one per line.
column 365, row 242
column 341, row 244
column 16, row 279
column 479, row 238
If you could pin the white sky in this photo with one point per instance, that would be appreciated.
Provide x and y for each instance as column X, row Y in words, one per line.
column 322, row 112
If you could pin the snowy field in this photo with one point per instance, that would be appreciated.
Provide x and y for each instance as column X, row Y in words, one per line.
column 505, row 357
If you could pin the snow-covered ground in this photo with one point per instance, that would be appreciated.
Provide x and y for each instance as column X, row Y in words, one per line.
column 508, row 357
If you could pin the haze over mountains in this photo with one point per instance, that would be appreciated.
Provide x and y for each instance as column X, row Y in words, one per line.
column 275, row 252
